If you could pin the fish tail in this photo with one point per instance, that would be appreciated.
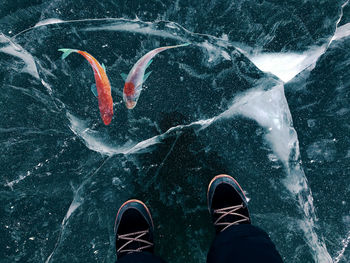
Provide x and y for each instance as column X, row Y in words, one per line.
column 184, row 45
column 66, row 52
column 181, row 45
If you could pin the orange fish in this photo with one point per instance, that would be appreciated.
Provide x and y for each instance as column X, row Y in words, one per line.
column 102, row 89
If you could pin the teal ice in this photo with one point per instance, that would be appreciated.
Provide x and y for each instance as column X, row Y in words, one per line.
column 262, row 93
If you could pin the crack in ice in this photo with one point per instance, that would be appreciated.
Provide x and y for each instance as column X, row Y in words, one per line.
column 76, row 203
column 17, row 51
column 345, row 243
column 338, row 21
column 286, row 65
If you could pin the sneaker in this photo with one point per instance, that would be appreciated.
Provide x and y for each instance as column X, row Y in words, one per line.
column 227, row 203
column 133, row 228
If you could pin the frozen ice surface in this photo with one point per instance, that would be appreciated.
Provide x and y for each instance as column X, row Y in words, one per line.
column 212, row 107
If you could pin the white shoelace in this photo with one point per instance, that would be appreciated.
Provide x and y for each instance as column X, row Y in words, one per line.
column 231, row 210
column 134, row 237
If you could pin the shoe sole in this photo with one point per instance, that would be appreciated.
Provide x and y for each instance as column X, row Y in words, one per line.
column 223, row 176
column 132, row 201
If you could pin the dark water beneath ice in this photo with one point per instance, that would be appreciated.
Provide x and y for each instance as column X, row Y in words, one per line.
column 261, row 94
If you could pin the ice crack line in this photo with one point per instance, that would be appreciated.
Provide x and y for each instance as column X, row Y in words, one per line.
column 338, row 21
column 345, row 243
column 15, row 50
column 37, row 167
column 166, row 157
column 77, row 201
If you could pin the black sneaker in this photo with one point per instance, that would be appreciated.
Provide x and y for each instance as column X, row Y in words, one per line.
column 133, row 228
column 227, row 203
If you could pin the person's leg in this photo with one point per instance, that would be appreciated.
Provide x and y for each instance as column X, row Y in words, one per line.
column 236, row 239
column 134, row 234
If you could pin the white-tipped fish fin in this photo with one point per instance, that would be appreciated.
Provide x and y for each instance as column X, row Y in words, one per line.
column 181, row 45
column 124, row 76
column 145, row 77
column 104, row 67
column 66, row 52
column 94, row 90
column 184, row 45
column 149, row 63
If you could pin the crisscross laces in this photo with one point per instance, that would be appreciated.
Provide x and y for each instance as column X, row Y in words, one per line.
column 134, row 237
column 233, row 211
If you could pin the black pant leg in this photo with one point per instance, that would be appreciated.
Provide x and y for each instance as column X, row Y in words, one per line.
column 140, row 257
column 243, row 243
